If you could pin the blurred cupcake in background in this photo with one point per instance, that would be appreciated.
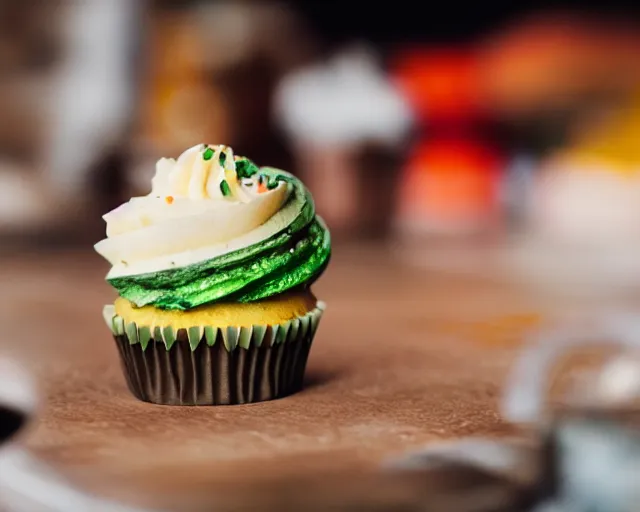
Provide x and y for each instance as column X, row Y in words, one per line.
column 348, row 126
column 590, row 191
column 585, row 212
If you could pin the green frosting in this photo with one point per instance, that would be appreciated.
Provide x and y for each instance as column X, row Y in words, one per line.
column 293, row 257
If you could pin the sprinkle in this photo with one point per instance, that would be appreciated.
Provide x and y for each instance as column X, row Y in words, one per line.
column 208, row 154
column 245, row 168
column 247, row 182
column 169, row 199
column 124, row 263
column 223, row 158
column 272, row 183
column 291, row 251
column 224, row 188
column 261, row 184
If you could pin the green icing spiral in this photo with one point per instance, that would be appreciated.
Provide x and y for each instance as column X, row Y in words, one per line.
column 291, row 258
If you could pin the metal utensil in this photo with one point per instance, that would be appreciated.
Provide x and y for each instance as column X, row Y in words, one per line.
column 27, row 484
column 586, row 455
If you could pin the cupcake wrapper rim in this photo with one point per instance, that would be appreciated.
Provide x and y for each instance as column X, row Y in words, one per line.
column 231, row 336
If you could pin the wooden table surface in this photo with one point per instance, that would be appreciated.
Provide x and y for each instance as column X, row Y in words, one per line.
column 404, row 356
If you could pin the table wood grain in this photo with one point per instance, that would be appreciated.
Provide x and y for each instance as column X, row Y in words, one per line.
column 406, row 355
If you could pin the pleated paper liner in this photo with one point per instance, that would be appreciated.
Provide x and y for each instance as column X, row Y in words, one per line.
column 209, row 365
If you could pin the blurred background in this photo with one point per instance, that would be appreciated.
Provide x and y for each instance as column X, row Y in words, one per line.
column 471, row 138
column 406, row 122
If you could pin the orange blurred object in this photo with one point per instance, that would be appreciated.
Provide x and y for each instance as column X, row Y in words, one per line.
column 556, row 59
column 180, row 104
column 542, row 62
column 451, row 184
column 439, row 84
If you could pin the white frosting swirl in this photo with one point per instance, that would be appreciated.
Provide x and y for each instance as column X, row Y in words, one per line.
column 195, row 202
column 198, row 174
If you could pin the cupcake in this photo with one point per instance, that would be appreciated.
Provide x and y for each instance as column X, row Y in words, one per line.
column 348, row 152
column 584, row 211
column 590, row 191
column 213, row 269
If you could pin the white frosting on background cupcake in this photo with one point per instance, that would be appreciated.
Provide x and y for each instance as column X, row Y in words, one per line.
column 346, row 100
column 585, row 230
column 587, row 202
column 590, row 190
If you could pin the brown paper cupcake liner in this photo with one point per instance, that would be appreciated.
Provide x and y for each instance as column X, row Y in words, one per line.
column 209, row 365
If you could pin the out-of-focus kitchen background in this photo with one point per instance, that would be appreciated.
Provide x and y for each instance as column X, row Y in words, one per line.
column 443, row 143
column 406, row 121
